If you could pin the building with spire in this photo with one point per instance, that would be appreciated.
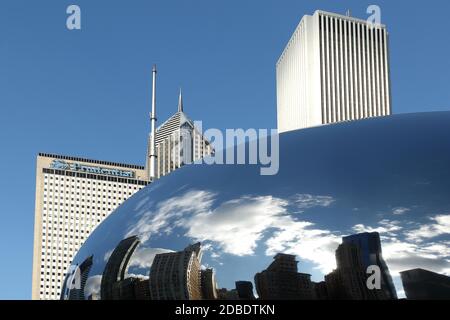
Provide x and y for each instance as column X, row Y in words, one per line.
column 177, row 142
column 67, row 206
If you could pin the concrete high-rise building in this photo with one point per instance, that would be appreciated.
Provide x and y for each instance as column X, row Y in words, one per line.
column 73, row 196
column 209, row 284
column 177, row 275
column 420, row 284
column 177, row 142
column 282, row 281
column 245, row 290
column 334, row 68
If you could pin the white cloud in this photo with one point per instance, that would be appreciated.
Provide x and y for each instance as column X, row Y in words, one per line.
column 92, row 285
column 402, row 255
column 439, row 226
column 385, row 227
column 154, row 222
column 237, row 225
column 400, row 210
column 299, row 238
column 306, row 201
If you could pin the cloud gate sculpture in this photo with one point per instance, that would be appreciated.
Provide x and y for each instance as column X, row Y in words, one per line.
column 347, row 196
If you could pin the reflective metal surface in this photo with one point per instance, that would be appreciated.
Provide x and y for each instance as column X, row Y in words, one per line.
column 388, row 175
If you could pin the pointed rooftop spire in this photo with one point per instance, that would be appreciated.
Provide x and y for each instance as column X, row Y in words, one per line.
column 180, row 102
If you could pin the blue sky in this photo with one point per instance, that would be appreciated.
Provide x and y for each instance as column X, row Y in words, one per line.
column 87, row 93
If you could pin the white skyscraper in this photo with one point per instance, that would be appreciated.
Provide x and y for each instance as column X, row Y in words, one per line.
column 334, row 68
column 73, row 196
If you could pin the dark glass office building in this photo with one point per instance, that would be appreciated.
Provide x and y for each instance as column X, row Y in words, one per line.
column 370, row 246
column 420, row 284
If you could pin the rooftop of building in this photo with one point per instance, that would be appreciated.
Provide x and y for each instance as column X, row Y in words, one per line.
column 99, row 162
column 325, row 13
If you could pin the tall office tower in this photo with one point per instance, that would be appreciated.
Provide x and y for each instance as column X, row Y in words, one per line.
column 245, row 290
column 177, row 275
column 177, row 143
column 73, row 195
column 371, row 254
column 348, row 281
column 116, row 267
column 334, row 68
column 281, row 281
column 209, row 284
column 420, row 284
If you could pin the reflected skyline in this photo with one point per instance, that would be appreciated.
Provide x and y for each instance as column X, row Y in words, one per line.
column 377, row 180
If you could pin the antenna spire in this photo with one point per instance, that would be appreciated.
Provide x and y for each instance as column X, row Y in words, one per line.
column 152, row 173
column 180, row 101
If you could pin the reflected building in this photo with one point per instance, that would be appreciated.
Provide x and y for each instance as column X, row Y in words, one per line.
column 371, row 254
column 78, row 293
column 142, row 289
column 124, row 289
column 420, row 284
column 114, row 286
column 320, row 290
column 209, row 284
column 281, row 281
column 245, row 290
column 225, row 294
column 131, row 288
column 348, row 281
column 176, row 275
column 69, row 187
column 194, row 206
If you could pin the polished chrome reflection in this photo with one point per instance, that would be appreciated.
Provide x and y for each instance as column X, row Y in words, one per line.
column 225, row 231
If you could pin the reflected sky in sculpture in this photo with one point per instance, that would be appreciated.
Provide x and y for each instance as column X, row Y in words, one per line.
column 390, row 175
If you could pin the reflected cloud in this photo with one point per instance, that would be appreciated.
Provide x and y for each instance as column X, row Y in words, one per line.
column 299, row 238
column 92, row 286
column 153, row 222
column 440, row 226
column 306, row 201
column 238, row 224
column 143, row 257
column 403, row 248
column 385, row 227
column 400, row 211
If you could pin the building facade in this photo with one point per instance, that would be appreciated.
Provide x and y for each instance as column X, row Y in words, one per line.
column 177, row 275
column 348, row 281
column 178, row 142
column 245, row 290
column 420, row 284
column 334, row 68
column 282, row 281
column 209, row 284
column 371, row 254
column 113, row 284
column 73, row 196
